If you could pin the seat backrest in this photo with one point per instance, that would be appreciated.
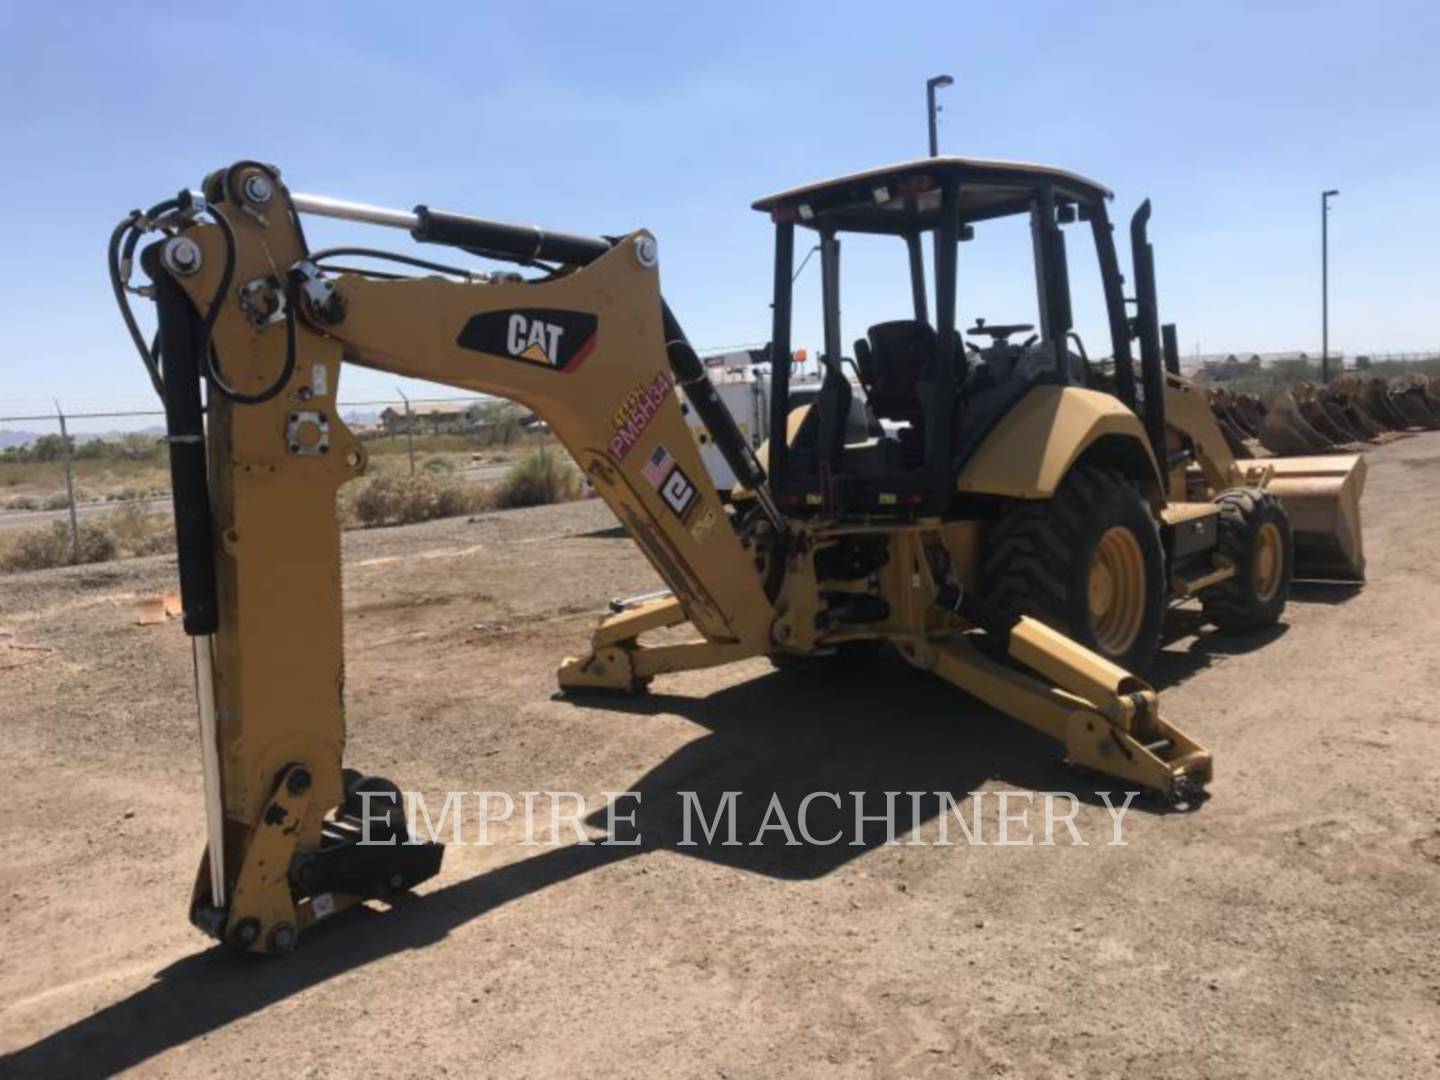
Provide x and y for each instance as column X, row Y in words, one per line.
column 900, row 354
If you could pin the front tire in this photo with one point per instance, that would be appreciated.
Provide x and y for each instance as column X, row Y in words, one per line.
column 1255, row 537
column 1087, row 562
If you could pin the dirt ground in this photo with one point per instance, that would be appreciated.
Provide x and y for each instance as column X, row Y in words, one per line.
column 1290, row 927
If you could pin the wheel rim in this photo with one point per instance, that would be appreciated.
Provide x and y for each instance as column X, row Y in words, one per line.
column 1268, row 562
column 1117, row 590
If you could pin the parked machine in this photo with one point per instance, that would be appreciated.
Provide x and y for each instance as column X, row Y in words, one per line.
column 988, row 481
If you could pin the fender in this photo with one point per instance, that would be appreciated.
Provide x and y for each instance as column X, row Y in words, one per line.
column 1062, row 422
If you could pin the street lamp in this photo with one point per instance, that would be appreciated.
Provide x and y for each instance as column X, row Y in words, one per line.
column 931, row 85
column 1325, row 283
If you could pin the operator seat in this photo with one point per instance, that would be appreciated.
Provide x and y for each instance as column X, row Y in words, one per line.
column 897, row 357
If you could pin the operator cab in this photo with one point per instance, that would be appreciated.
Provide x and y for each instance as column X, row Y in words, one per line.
column 932, row 391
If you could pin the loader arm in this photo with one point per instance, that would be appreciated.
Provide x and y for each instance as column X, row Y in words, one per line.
column 1321, row 494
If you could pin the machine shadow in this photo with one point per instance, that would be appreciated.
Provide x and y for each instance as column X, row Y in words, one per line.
column 609, row 532
column 1325, row 592
column 870, row 728
column 1174, row 665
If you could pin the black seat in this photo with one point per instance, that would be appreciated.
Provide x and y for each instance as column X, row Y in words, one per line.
column 897, row 356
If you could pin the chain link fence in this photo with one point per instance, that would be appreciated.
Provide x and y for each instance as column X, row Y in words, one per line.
column 53, row 475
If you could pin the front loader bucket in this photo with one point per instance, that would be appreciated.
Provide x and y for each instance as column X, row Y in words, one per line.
column 1322, row 497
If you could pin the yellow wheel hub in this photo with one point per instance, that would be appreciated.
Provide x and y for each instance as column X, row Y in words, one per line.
column 1116, row 591
column 1268, row 562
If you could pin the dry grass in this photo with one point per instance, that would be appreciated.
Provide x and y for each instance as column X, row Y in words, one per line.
column 138, row 531
column 49, row 545
column 124, row 532
column 386, row 498
column 396, row 498
column 537, row 479
column 392, row 499
column 98, row 480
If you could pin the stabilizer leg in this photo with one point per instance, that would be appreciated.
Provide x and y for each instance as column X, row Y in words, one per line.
column 618, row 663
column 1107, row 718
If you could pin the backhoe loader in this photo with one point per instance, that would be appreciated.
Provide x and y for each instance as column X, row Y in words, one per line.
column 1006, row 524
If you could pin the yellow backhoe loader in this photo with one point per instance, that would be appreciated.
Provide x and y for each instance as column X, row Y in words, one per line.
column 985, row 485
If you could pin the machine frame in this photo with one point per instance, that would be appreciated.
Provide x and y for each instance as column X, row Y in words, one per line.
column 249, row 311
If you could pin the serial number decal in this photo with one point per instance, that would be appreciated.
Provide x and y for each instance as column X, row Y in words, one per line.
column 636, row 410
column 704, row 521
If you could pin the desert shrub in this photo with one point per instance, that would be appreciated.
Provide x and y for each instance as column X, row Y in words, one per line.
column 391, row 499
column 139, row 532
column 133, row 492
column 51, row 448
column 49, row 545
column 438, row 465
column 22, row 502
column 538, row 478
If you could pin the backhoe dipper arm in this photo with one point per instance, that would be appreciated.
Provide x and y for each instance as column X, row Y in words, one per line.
column 583, row 346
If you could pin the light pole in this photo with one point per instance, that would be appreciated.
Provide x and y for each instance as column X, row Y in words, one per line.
column 1325, row 284
column 409, row 430
column 931, row 85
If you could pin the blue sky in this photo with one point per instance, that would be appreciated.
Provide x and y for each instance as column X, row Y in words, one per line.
column 603, row 117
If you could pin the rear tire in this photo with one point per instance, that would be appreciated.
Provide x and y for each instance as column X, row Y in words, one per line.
column 1087, row 562
column 1255, row 536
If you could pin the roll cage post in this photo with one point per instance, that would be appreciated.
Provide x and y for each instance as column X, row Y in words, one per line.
column 778, row 464
column 940, row 426
column 917, row 277
column 1113, row 283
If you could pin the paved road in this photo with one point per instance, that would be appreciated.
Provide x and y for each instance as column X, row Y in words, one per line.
column 16, row 519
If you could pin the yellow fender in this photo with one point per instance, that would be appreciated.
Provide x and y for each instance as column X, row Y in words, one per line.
column 1036, row 443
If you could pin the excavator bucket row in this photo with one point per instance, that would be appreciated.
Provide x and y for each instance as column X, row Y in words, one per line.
column 1310, row 437
column 1343, row 415
column 1240, row 418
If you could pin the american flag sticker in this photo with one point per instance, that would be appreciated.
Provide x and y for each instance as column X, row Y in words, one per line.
column 656, row 469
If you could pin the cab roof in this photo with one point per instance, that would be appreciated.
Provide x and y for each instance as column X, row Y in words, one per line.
column 905, row 197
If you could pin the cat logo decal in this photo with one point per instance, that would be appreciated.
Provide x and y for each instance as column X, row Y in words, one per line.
column 560, row 340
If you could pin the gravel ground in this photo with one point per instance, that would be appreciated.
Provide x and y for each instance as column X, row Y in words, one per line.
column 1288, row 928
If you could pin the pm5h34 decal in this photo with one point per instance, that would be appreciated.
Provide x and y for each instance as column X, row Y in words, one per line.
column 561, row 340
column 636, row 411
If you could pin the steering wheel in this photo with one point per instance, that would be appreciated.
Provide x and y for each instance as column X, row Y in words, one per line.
column 998, row 333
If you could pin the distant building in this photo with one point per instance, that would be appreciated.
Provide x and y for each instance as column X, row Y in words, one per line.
column 433, row 418
column 1273, row 366
column 1226, row 368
